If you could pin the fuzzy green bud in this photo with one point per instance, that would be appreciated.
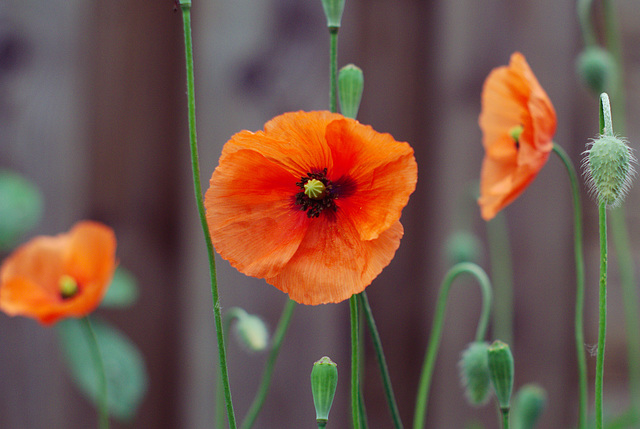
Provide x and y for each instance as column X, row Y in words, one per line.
column 350, row 85
column 324, row 380
column 474, row 373
column 501, row 372
column 333, row 11
column 609, row 170
column 250, row 330
column 528, row 406
column 462, row 246
column 597, row 69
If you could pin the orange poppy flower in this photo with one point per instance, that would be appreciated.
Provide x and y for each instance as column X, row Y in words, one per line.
column 52, row 278
column 518, row 122
column 311, row 204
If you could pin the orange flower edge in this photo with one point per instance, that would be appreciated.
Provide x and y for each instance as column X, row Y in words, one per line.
column 311, row 204
column 518, row 122
column 53, row 278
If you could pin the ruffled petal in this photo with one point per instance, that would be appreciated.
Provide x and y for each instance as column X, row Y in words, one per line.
column 382, row 172
column 332, row 263
column 252, row 218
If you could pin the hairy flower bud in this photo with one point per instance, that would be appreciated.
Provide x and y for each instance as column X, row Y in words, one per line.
column 528, row 406
column 462, row 246
column 474, row 373
column 501, row 372
column 350, row 85
column 597, row 69
column 608, row 168
column 324, row 380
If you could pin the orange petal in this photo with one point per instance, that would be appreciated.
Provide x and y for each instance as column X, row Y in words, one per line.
column 384, row 172
column 251, row 214
column 332, row 263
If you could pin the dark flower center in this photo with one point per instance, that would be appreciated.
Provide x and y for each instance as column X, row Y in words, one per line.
column 314, row 202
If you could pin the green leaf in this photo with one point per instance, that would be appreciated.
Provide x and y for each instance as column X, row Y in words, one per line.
column 124, row 366
column 123, row 290
column 20, row 208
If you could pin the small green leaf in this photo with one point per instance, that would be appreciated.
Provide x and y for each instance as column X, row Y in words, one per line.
column 123, row 290
column 124, row 366
column 20, row 208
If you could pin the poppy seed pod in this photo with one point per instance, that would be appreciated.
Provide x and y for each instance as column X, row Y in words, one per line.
column 350, row 85
column 528, row 406
column 324, row 380
column 474, row 373
column 597, row 69
column 333, row 10
column 501, row 372
column 608, row 169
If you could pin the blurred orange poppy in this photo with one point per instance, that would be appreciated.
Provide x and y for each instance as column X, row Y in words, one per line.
column 518, row 122
column 311, row 204
column 52, row 278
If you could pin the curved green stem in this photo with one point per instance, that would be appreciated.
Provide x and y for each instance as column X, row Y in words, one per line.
column 602, row 330
column 278, row 337
column 578, row 249
column 382, row 362
column 185, row 5
column 355, row 364
column 436, row 331
column 586, row 26
column 103, row 411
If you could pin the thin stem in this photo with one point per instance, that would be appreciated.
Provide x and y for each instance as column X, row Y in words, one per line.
column 502, row 275
column 505, row 418
column 436, row 331
column 603, row 316
column 103, row 412
column 355, row 365
column 333, row 70
column 578, row 249
column 185, row 5
column 382, row 361
column 278, row 337
column 586, row 26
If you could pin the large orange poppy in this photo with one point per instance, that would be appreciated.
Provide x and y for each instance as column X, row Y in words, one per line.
column 518, row 122
column 52, row 278
column 311, row 204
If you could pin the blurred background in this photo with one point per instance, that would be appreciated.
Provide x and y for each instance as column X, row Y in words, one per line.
column 93, row 111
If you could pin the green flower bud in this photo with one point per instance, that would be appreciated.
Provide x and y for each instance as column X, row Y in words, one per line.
column 333, row 10
column 350, row 84
column 597, row 69
column 528, row 406
column 474, row 373
column 324, row 380
column 462, row 246
column 608, row 169
column 250, row 330
column 501, row 372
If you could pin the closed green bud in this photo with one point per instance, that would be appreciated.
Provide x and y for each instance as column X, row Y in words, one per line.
column 501, row 372
column 597, row 69
column 324, row 380
column 333, row 10
column 350, row 84
column 609, row 170
column 250, row 330
column 528, row 406
column 474, row 373
column 462, row 246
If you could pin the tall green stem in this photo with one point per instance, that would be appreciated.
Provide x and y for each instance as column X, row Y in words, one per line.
column 502, row 276
column 578, row 249
column 420, row 413
column 333, row 70
column 103, row 411
column 185, row 5
column 355, row 364
column 382, row 362
column 602, row 330
column 278, row 337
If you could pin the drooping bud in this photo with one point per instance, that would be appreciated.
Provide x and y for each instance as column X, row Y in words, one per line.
column 324, row 380
column 528, row 406
column 68, row 286
column 315, row 189
column 474, row 373
column 250, row 330
column 350, row 86
column 608, row 168
column 333, row 10
column 462, row 246
column 501, row 372
column 597, row 69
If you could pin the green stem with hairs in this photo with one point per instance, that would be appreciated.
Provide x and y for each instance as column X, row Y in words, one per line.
column 578, row 248
column 103, row 409
column 185, row 6
column 602, row 324
column 420, row 413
